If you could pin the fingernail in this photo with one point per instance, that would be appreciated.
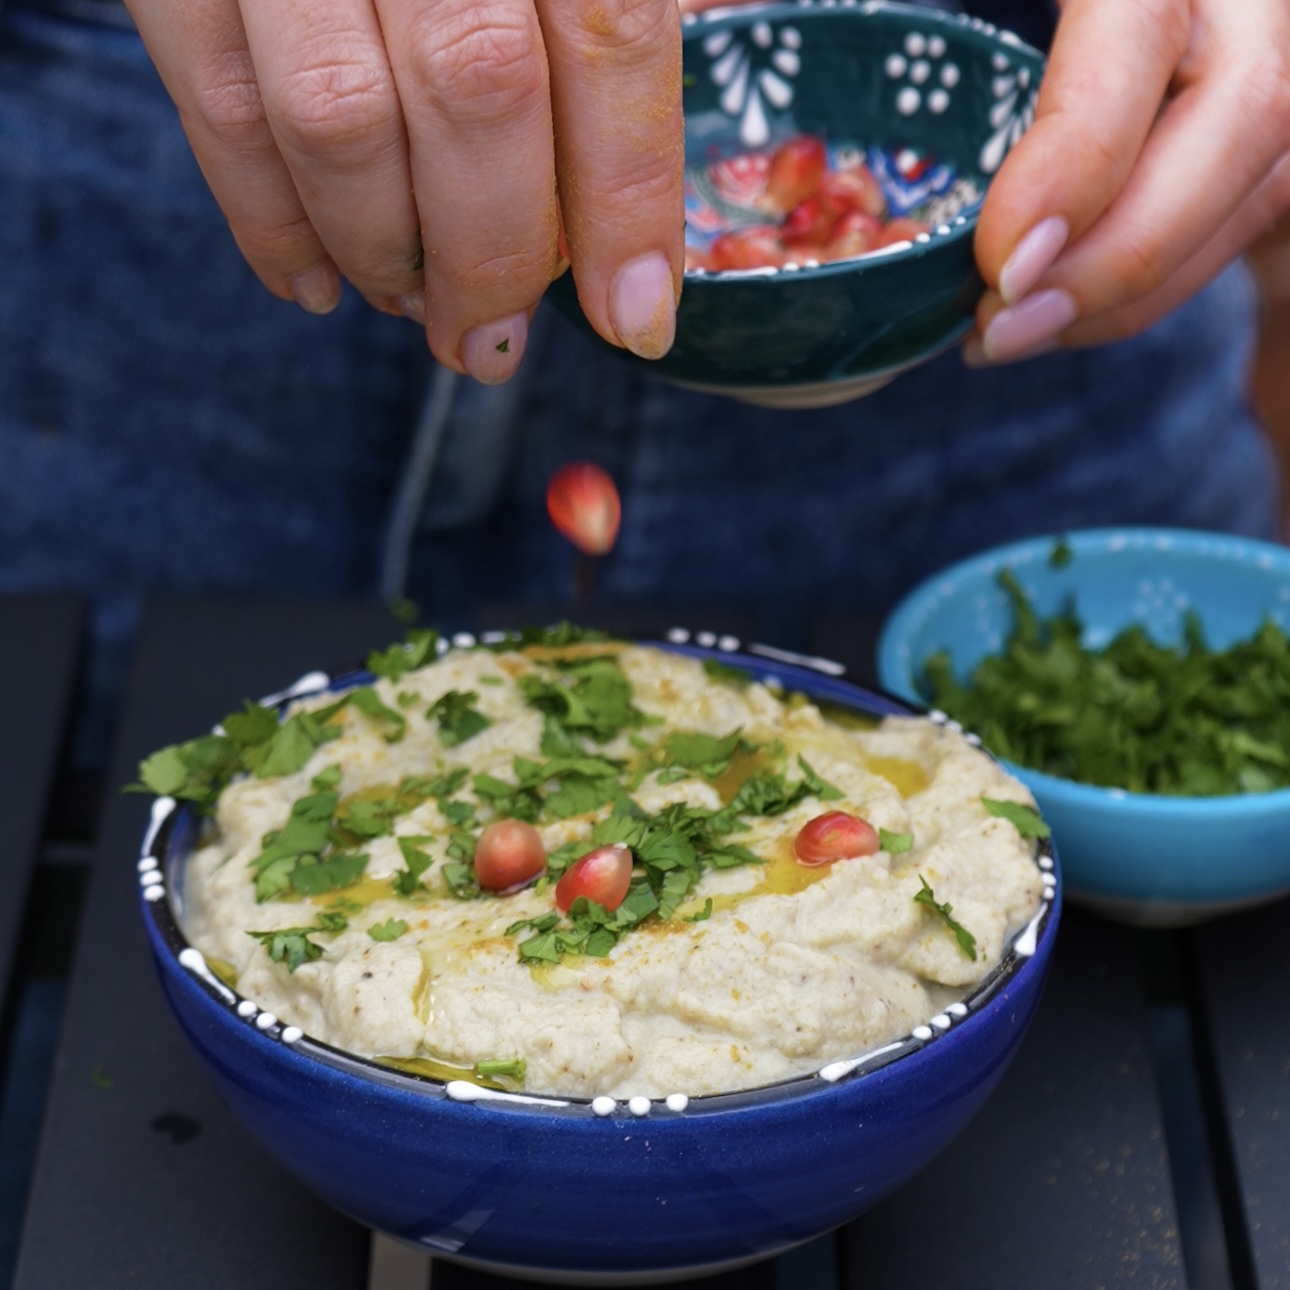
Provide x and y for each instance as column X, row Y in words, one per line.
column 492, row 351
column 317, row 290
column 1018, row 331
column 414, row 306
column 1032, row 257
column 974, row 354
column 642, row 305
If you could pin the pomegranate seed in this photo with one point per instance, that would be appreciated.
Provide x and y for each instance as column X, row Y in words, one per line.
column 583, row 504
column 748, row 248
column 854, row 189
column 695, row 258
column 795, row 173
column 602, row 875
column 902, row 230
column 835, row 835
column 808, row 221
column 508, row 854
column 855, row 233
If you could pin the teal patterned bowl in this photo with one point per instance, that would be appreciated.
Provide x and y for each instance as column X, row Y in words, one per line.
column 932, row 102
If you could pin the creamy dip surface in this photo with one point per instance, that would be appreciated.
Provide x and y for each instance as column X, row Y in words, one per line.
column 789, row 966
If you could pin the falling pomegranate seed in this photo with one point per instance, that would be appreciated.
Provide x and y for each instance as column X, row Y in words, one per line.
column 583, row 504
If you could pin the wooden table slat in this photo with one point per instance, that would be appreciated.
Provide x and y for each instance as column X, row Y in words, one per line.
column 1243, row 970
column 40, row 640
column 114, row 1201
column 1068, row 1156
column 1063, row 1178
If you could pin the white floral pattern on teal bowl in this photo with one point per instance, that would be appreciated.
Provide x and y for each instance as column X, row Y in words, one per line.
column 887, row 81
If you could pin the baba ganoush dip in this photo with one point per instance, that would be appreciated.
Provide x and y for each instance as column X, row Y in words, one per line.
column 338, row 887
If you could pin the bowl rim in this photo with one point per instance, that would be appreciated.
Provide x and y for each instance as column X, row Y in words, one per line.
column 895, row 663
column 163, row 851
column 990, row 36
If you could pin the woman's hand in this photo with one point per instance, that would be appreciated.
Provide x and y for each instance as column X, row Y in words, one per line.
column 1160, row 150
column 430, row 150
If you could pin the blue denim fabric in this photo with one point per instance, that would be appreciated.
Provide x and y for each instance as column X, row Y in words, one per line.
column 167, row 427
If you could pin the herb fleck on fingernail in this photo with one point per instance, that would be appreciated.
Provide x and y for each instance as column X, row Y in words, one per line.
column 419, row 262
column 504, row 346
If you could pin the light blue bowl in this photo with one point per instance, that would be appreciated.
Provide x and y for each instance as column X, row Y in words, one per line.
column 1159, row 861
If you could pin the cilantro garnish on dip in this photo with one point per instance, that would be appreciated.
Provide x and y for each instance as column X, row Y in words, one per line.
column 581, row 866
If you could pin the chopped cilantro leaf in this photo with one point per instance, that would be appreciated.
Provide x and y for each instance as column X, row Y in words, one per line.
column 325, row 779
column 408, row 881
column 1061, row 555
column 739, row 677
column 560, row 634
column 416, row 650
column 291, row 945
column 925, row 896
column 1030, row 824
column 1181, row 720
column 312, row 877
column 404, row 610
column 457, row 717
column 368, row 702
column 587, row 696
column 503, row 346
column 696, row 751
column 895, row 843
column 514, row 1068
column 703, row 914
column 390, row 930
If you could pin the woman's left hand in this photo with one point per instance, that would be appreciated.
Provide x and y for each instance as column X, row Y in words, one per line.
column 1160, row 150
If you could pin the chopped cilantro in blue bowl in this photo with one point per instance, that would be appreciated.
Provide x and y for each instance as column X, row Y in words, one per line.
column 1213, row 832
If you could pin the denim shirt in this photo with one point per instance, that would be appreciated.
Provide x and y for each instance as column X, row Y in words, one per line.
column 167, row 427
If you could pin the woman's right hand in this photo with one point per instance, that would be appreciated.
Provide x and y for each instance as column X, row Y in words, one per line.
column 430, row 150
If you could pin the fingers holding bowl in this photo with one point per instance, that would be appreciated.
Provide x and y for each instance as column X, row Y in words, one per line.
column 331, row 102
column 620, row 156
column 1150, row 166
column 201, row 51
column 473, row 80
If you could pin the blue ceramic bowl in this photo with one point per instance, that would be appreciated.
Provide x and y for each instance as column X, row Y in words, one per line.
column 576, row 1191
column 1162, row 861
column 933, row 102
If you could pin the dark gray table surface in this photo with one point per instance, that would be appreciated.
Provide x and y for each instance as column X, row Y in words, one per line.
column 39, row 650
column 1063, row 1180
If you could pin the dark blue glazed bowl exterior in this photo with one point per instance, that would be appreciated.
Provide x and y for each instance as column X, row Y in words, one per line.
column 558, row 1190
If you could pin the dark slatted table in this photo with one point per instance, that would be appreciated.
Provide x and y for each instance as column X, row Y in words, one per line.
column 1142, row 1137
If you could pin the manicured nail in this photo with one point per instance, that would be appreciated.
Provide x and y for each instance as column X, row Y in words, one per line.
column 492, row 351
column 1018, row 331
column 974, row 355
column 414, row 306
column 317, row 290
column 1032, row 257
column 642, row 305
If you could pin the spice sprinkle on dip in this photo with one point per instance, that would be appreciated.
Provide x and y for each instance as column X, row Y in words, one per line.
column 582, row 867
